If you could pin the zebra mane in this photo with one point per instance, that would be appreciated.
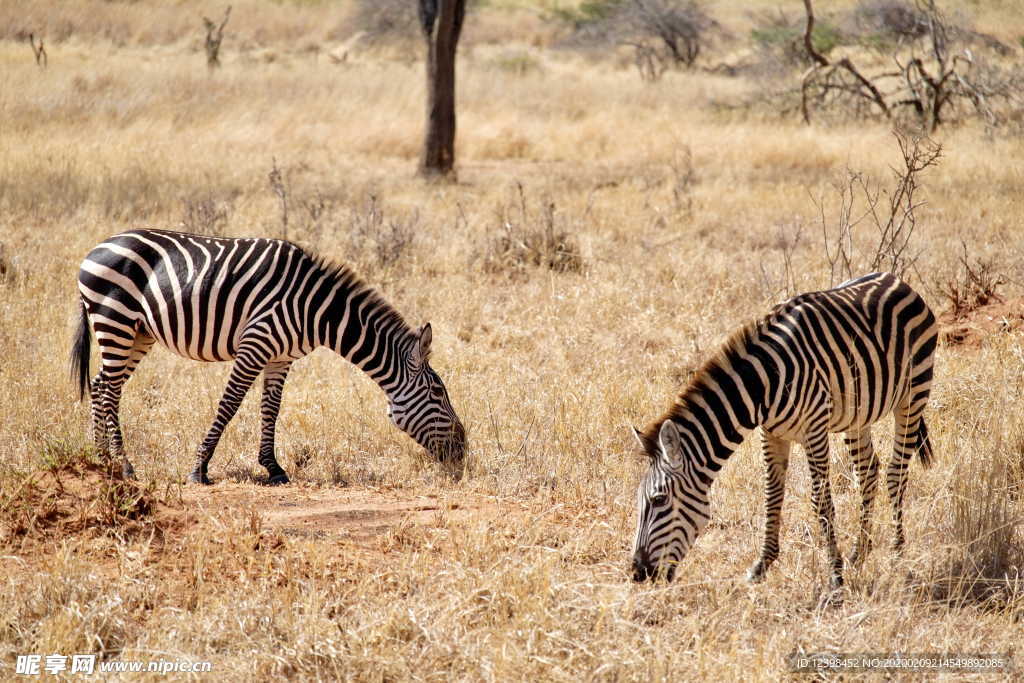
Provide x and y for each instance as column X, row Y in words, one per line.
column 351, row 280
column 701, row 380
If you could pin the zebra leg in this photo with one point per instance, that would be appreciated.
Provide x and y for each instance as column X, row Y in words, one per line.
column 115, row 374
column 274, row 376
column 248, row 364
column 816, row 445
column 776, row 461
column 904, row 444
column 97, row 387
column 865, row 470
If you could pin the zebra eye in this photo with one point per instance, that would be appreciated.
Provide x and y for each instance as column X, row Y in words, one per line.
column 659, row 498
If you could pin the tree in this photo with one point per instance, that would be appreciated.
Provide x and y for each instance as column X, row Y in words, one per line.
column 938, row 78
column 441, row 21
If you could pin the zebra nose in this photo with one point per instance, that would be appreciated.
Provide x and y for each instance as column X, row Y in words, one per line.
column 458, row 441
column 454, row 446
column 642, row 569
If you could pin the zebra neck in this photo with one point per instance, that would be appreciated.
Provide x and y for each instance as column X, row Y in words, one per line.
column 720, row 407
column 710, row 434
column 369, row 333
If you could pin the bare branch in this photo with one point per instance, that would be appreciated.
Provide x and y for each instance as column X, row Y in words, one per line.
column 894, row 219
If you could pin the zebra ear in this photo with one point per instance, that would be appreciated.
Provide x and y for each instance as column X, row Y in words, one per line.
column 647, row 445
column 421, row 352
column 671, row 444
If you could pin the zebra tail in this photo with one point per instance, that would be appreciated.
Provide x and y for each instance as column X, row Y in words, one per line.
column 80, row 350
column 924, row 445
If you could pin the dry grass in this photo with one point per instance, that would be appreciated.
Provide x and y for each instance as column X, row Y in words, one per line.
column 547, row 368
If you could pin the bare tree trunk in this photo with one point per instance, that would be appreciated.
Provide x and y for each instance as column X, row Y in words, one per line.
column 214, row 36
column 39, row 52
column 441, row 21
column 808, row 31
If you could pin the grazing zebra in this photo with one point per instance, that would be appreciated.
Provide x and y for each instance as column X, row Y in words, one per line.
column 831, row 361
column 262, row 302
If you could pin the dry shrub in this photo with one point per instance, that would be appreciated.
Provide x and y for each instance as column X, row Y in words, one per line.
column 662, row 33
column 665, row 33
column 973, row 287
column 378, row 241
column 205, row 215
column 892, row 212
column 976, row 309
column 531, row 238
column 72, row 493
column 890, row 20
column 306, row 213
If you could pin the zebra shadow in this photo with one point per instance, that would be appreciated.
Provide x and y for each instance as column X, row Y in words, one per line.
column 239, row 474
column 991, row 582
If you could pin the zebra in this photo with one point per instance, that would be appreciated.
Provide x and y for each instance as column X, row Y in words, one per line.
column 264, row 303
column 831, row 361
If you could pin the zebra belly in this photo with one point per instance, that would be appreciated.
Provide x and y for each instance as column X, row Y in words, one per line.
column 186, row 350
column 860, row 408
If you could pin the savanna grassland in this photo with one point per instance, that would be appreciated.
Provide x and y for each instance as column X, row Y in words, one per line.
column 603, row 235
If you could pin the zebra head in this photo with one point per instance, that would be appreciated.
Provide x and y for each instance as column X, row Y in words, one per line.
column 672, row 506
column 420, row 406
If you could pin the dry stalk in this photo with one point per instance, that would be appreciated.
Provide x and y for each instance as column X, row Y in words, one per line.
column 279, row 186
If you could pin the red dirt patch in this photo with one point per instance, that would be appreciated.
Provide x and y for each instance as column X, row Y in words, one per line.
column 79, row 497
column 969, row 329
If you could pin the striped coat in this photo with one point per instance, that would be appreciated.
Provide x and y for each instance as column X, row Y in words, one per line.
column 822, row 362
column 262, row 303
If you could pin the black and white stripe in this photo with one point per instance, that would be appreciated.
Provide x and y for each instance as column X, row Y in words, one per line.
column 263, row 303
column 823, row 362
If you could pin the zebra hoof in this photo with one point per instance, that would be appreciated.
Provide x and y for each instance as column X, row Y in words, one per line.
column 831, row 599
column 278, row 480
column 757, row 571
column 127, row 471
column 199, row 478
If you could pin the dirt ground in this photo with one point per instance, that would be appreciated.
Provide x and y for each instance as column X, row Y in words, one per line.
column 354, row 514
column 81, row 501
